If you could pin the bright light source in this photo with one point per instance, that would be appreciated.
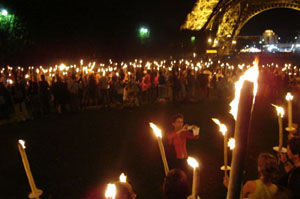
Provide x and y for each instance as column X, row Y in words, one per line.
column 144, row 32
column 4, row 12
column 193, row 38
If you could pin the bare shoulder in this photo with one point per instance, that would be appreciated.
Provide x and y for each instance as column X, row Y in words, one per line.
column 249, row 187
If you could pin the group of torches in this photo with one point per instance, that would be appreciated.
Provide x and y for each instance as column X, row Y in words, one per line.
column 251, row 75
column 107, row 68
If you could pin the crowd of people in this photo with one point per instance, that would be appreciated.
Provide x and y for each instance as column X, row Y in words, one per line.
column 29, row 93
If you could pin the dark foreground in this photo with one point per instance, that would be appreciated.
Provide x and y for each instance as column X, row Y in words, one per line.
column 74, row 155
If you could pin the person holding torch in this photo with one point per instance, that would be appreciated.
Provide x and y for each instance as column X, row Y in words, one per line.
column 177, row 139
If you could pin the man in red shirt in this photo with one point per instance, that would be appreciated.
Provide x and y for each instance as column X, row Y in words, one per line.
column 177, row 138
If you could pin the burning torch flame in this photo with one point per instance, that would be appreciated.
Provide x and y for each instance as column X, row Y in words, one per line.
column 156, row 130
column 123, row 177
column 22, row 142
column 231, row 143
column 223, row 128
column 280, row 110
column 192, row 162
column 110, row 191
column 251, row 75
column 289, row 96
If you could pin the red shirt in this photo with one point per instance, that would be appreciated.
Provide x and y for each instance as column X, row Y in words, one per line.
column 178, row 140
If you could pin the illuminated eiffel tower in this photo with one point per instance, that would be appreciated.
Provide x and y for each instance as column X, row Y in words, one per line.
column 226, row 18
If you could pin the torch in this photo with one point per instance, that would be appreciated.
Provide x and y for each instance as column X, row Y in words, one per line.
column 157, row 132
column 193, row 163
column 35, row 192
column 280, row 113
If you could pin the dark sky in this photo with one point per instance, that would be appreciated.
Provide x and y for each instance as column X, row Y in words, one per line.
column 113, row 24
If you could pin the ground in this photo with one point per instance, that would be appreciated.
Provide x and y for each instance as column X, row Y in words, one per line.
column 74, row 155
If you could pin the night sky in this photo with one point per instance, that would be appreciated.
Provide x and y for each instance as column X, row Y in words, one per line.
column 110, row 26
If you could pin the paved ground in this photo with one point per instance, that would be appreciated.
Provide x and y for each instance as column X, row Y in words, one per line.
column 74, row 155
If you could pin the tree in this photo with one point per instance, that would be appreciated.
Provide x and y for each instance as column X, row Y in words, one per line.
column 13, row 36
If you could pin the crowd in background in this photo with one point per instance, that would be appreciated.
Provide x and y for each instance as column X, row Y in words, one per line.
column 28, row 93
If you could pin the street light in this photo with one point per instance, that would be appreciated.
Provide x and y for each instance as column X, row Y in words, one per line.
column 4, row 12
column 144, row 33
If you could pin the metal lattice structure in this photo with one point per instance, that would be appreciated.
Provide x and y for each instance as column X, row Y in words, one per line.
column 226, row 18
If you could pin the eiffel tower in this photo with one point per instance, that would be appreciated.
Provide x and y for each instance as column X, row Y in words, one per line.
column 226, row 18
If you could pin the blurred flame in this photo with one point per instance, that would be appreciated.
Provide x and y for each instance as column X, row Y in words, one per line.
column 289, row 96
column 123, row 177
column 156, row 130
column 231, row 143
column 22, row 142
column 110, row 191
column 192, row 162
column 251, row 75
column 223, row 127
column 280, row 110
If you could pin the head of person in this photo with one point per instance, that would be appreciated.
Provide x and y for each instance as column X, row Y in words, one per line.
column 293, row 148
column 176, row 185
column 124, row 191
column 177, row 121
column 43, row 77
column 267, row 167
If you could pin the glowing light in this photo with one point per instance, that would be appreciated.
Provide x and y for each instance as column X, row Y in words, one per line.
column 223, row 128
column 110, row 191
column 250, row 75
column 62, row 67
column 123, row 177
column 22, row 142
column 192, row 162
column 289, row 96
column 280, row 110
column 231, row 143
column 156, row 130
column 4, row 12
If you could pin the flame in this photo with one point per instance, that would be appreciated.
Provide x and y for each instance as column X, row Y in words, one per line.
column 192, row 162
column 156, row 130
column 22, row 142
column 223, row 127
column 123, row 177
column 289, row 96
column 280, row 110
column 231, row 143
column 62, row 67
column 110, row 191
column 251, row 75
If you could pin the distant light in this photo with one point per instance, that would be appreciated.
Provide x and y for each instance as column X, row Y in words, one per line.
column 278, row 38
column 209, row 40
column 4, row 12
column 193, row 38
column 144, row 32
column 233, row 41
column 296, row 37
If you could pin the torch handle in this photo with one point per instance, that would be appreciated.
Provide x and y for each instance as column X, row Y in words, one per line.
column 280, row 133
column 290, row 117
column 163, row 156
column 27, row 169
